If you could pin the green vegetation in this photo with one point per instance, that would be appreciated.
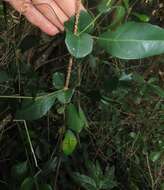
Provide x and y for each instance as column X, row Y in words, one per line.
column 105, row 132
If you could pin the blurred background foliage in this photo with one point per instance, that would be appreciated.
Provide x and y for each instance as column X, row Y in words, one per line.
column 122, row 147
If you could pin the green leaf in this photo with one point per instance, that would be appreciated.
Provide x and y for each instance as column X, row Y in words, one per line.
column 83, row 117
column 154, row 156
column 107, row 184
column 95, row 171
column 126, row 77
column 85, row 181
column 69, row 143
column 35, row 109
column 65, row 96
column 45, row 187
column 142, row 17
column 61, row 110
column 130, row 42
column 79, row 46
column 74, row 122
column 19, row 171
column 108, row 181
column 157, row 90
column 49, row 166
column 118, row 16
column 58, row 80
column 85, row 21
column 27, row 184
column 126, row 3
column 105, row 6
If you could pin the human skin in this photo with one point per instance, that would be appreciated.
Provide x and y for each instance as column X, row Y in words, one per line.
column 48, row 15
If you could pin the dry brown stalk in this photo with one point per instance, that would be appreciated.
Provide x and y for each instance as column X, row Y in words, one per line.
column 70, row 63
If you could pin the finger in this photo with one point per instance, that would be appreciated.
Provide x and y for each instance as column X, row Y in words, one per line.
column 34, row 16
column 52, row 12
column 68, row 6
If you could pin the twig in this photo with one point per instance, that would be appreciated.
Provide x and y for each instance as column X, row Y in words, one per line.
column 78, row 3
column 150, row 172
column 78, row 82
column 57, row 172
column 69, row 70
column 70, row 63
column 30, row 143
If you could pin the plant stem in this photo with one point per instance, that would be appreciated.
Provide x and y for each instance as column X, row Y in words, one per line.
column 69, row 70
column 70, row 63
column 30, row 143
column 150, row 172
column 90, row 24
column 78, row 3
column 30, row 97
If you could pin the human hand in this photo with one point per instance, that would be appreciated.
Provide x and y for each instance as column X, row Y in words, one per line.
column 48, row 15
